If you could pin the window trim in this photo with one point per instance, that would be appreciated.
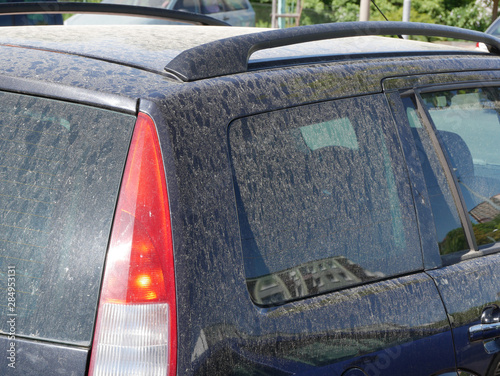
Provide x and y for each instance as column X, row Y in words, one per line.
column 454, row 86
column 56, row 91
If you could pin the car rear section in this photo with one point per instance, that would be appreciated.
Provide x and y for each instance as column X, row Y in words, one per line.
column 66, row 153
column 264, row 221
column 62, row 171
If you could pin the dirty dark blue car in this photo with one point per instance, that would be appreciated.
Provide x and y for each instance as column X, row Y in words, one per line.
column 209, row 200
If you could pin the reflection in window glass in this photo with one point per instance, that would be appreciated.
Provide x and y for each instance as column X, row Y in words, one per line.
column 411, row 113
column 321, row 202
column 450, row 234
column 338, row 132
column 468, row 125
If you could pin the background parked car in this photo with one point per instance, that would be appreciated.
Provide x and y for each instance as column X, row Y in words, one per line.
column 494, row 28
column 30, row 19
column 234, row 12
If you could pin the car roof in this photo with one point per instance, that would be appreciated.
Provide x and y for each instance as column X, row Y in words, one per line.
column 147, row 46
column 147, row 62
column 152, row 47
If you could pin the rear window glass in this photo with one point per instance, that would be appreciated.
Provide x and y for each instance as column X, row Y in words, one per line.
column 60, row 171
column 323, row 199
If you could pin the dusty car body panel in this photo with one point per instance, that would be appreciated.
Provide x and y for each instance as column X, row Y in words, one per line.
column 37, row 358
column 407, row 323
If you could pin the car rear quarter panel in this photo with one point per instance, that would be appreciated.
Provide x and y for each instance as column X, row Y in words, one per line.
column 220, row 330
column 22, row 357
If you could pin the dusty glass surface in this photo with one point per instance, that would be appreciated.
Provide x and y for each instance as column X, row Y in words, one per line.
column 323, row 199
column 468, row 125
column 60, row 170
column 450, row 234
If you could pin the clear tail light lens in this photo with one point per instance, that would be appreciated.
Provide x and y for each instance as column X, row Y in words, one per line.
column 136, row 322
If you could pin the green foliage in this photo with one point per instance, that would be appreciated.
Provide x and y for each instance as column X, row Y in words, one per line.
column 262, row 14
column 454, row 241
column 488, row 232
column 470, row 14
column 344, row 10
column 485, row 233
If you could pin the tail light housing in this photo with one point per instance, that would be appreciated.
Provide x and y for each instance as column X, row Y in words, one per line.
column 136, row 329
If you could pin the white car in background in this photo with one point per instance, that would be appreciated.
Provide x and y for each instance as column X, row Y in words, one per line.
column 493, row 29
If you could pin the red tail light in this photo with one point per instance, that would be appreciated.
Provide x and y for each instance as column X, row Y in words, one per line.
column 136, row 330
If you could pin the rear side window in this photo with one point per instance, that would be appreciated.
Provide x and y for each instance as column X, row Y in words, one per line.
column 468, row 125
column 323, row 199
column 60, row 171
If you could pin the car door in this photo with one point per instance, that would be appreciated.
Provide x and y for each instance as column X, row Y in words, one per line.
column 454, row 130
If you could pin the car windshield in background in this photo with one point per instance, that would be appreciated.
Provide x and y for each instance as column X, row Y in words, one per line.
column 29, row 19
column 142, row 3
column 60, row 168
column 494, row 28
column 234, row 12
